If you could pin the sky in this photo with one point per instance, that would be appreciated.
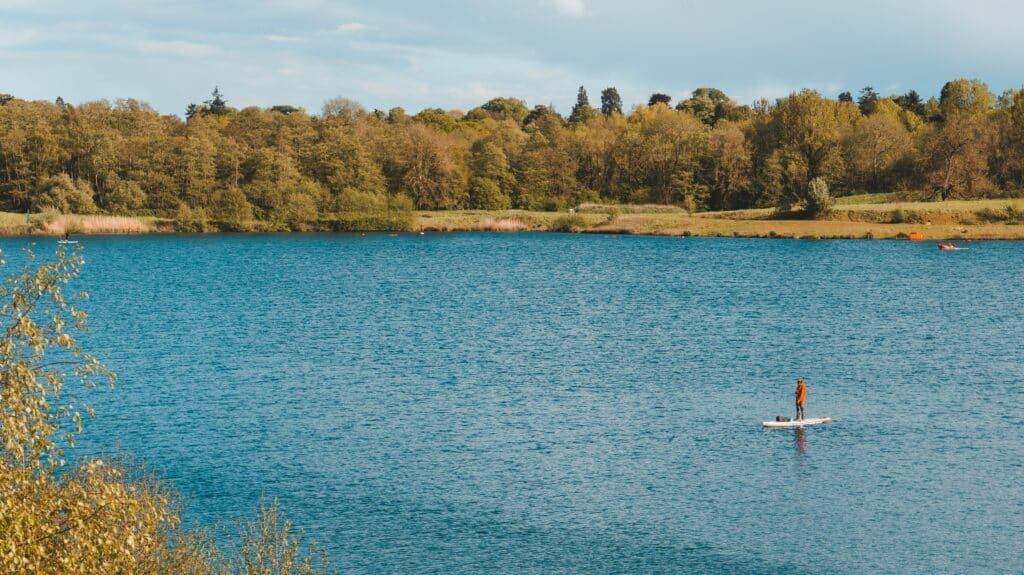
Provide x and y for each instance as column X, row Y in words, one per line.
column 460, row 53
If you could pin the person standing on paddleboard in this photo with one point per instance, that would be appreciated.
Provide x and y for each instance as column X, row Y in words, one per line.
column 801, row 397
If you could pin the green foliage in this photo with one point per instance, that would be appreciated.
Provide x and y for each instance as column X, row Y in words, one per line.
column 64, row 195
column 582, row 111
column 818, row 202
column 611, row 102
column 659, row 98
column 125, row 197
column 512, row 109
column 285, row 109
column 283, row 169
column 867, row 99
column 485, row 194
column 298, row 212
column 539, row 113
column 191, row 220
column 709, row 105
column 808, row 131
column 911, row 102
column 233, row 210
column 968, row 96
column 568, row 223
column 368, row 212
column 216, row 105
column 438, row 119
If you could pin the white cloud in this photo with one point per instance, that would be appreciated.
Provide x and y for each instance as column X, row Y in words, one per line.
column 280, row 38
column 177, row 48
column 352, row 27
column 12, row 38
column 570, row 7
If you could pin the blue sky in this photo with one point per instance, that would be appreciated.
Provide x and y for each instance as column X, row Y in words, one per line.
column 459, row 53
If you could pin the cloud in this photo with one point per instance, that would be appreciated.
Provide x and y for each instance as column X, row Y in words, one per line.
column 573, row 8
column 177, row 48
column 461, row 52
column 352, row 28
column 12, row 38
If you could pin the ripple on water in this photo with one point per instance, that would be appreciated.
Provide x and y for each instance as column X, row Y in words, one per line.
column 556, row 403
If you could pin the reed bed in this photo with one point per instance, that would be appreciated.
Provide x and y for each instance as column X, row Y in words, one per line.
column 62, row 224
column 503, row 225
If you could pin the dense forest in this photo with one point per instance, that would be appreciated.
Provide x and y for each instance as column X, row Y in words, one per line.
column 350, row 168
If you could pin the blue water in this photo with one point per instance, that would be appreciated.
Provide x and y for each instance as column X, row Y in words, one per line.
column 577, row 404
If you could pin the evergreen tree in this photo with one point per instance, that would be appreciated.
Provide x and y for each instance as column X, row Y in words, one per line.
column 216, row 105
column 867, row 100
column 611, row 103
column 845, row 97
column 582, row 111
column 911, row 102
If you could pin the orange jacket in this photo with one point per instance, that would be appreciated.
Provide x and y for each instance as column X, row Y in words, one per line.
column 801, row 392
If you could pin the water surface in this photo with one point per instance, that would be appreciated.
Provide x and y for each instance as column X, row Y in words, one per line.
column 551, row 403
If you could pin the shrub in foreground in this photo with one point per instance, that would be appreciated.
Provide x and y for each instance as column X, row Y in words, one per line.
column 97, row 515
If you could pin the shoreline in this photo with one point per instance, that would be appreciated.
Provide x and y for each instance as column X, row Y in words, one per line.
column 844, row 223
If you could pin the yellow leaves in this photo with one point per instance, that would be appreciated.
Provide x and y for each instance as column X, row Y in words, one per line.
column 97, row 516
column 30, row 413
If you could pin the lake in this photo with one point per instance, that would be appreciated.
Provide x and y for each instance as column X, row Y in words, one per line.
column 546, row 403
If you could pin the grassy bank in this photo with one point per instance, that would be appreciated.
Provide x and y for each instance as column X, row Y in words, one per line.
column 980, row 219
column 855, row 217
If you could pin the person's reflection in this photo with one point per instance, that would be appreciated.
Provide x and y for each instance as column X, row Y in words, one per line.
column 800, row 440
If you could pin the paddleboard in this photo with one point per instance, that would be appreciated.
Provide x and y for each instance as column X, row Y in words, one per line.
column 798, row 423
column 68, row 242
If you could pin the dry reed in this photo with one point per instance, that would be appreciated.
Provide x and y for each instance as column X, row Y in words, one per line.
column 95, row 225
column 502, row 225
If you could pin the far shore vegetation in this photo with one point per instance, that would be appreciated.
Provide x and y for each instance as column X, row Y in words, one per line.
column 860, row 165
column 865, row 216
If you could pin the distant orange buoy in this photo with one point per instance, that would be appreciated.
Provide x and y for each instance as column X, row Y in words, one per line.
column 915, row 237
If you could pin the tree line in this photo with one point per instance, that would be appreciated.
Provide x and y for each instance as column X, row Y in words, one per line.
column 352, row 168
